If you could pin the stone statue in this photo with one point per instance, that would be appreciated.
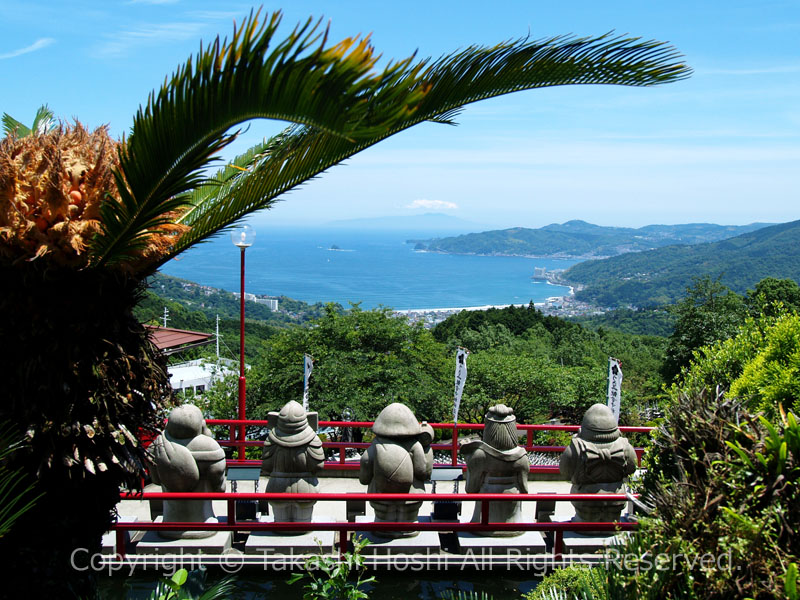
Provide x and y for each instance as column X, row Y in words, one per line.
column 597, row 461
column 185, row 458
column 399, row 461
column 292, row 456
column 497, row 465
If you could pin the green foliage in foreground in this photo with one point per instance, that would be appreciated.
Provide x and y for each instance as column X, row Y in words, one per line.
column 17, row 488
column 726, row 489
column 191, row 585
column 761, row 365
column 568, row 583
column 328, row 578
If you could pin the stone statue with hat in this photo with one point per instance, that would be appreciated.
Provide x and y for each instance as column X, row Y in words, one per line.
column 292, row 456
column 398, row 461
column 497, row 465
column 598, row 461
column 186, row 458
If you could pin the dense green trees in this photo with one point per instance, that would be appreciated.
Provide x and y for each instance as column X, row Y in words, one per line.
column 771, row 296
column 709, row 312
column 363, row 360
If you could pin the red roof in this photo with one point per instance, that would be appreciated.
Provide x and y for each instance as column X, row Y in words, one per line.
column 170, row 340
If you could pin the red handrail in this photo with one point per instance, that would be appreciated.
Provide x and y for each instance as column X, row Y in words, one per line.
column 452, row 446
column 344, row 528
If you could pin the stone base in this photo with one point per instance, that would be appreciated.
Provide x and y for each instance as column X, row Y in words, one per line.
column 267, row 543
column 425, row 542
column 109, row 543
column 530, row 542
column 578, row 543
column 153, row 543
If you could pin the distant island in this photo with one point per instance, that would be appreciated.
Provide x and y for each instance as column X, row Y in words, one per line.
column 581, row 240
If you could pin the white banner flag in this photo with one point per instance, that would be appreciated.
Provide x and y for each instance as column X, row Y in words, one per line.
column 461, row 378
column 308, row 367
column 614, row 386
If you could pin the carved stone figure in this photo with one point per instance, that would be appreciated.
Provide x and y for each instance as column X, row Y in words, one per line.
column 497, row 465
column 292, row 456
column 598, row 461
column 185, row 458
column 399, row 461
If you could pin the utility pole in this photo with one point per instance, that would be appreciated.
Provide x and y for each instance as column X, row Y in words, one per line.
column 217, row 336
column 166, row 316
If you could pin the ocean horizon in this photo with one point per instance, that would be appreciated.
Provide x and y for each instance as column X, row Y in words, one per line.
column 373, row 268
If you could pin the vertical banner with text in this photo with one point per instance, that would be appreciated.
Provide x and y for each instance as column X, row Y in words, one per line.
column 614, row 386
column 461, row 377
column 308, row 366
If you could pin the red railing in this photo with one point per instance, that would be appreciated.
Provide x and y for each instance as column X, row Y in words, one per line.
column 343, row 465
column 345, row 528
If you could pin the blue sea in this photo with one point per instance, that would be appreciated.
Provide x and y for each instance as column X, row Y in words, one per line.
column 370, row 267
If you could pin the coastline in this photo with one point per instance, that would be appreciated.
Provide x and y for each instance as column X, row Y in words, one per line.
column 550, row 300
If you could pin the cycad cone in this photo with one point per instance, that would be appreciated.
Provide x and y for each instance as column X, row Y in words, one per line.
column 52, row 188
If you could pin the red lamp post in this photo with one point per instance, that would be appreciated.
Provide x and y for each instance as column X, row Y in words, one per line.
column 242, row 237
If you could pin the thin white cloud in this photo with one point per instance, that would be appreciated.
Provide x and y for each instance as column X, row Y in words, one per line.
column 217, row 15
column 37, row 45
column 148, row 35
column 432, row 204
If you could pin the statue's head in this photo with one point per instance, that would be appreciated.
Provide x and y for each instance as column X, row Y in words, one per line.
column 501, row 427
column 185, row 422
column 290, row 427
column 599, row 425
column 397, row 420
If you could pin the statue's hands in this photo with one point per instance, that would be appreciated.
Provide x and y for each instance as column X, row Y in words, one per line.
column 174, row 465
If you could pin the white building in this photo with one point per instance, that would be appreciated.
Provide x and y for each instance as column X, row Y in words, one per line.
column 272, row 303
column 196, row 376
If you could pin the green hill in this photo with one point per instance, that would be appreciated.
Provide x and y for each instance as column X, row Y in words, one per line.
column 579, row 239
column 661, row 276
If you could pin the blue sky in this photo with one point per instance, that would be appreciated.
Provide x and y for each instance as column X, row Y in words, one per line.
column 723, row 146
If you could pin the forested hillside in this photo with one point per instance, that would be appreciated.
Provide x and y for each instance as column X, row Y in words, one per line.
column 659, row 277
column 581, row 239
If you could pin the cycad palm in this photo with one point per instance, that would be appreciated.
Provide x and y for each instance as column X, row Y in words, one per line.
column 79, row 235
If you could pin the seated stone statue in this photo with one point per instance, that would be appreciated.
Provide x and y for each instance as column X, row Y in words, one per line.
column 497, row 465
column 292, row 456
column 598, row 461
column 185, row 458
column 399, row 461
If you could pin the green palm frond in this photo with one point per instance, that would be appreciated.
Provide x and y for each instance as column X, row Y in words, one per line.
column 13, row 127
column 468, row 76
column 340, row 107
column 43, row 122
column 175, row 137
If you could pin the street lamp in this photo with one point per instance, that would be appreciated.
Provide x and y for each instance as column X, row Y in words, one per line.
column 242, row 237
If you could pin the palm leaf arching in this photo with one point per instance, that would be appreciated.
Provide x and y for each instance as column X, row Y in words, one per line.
column 340, row 107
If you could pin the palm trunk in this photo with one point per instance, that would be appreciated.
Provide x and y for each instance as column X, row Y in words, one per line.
column 81, row 381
